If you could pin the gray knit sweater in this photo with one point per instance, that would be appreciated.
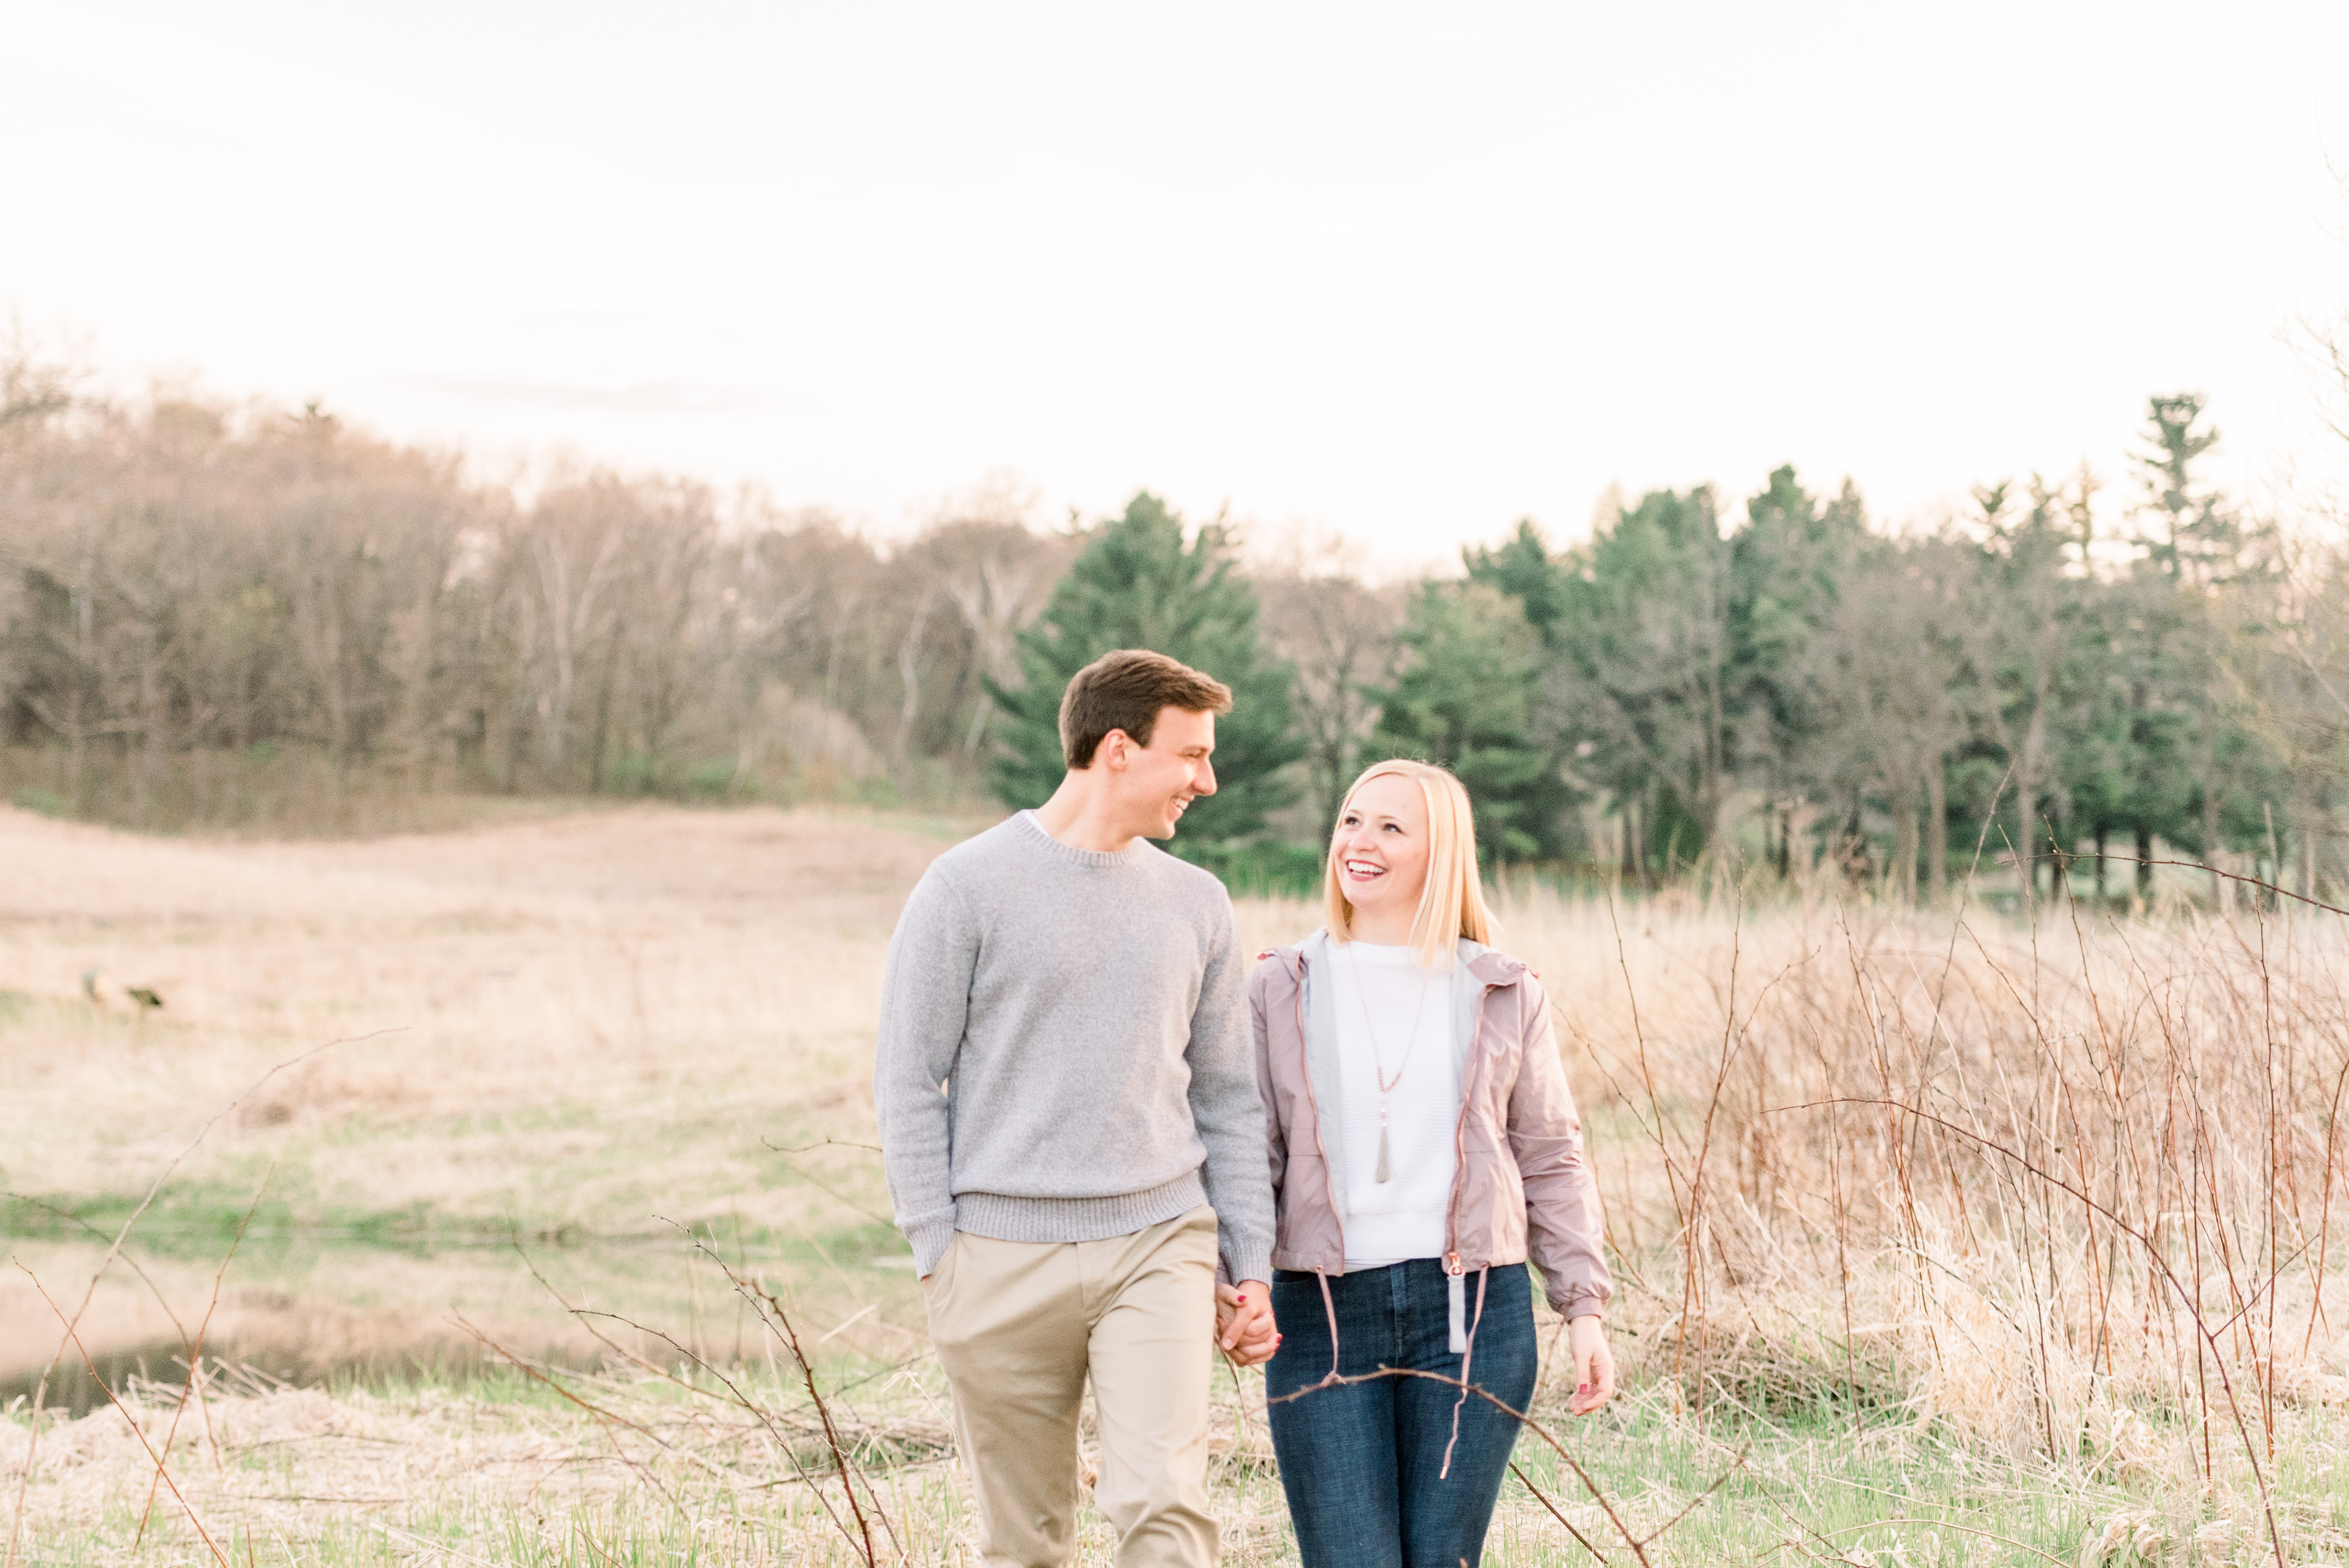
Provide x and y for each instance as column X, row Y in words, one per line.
column 1064, row 1051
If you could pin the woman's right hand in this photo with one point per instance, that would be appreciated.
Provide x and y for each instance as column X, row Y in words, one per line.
column 1244, row 1327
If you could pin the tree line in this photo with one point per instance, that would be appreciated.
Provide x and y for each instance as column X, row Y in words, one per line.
column 211, row 616
column 202, row 608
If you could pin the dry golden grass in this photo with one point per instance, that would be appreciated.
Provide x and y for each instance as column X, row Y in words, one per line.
column 567, row 1028
column 2037, row 1152
column 1892, row 1195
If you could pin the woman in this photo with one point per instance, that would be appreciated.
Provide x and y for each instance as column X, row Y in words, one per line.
column 1423, row 1142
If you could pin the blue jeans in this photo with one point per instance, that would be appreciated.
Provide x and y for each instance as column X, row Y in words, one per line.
column 1359, row 1462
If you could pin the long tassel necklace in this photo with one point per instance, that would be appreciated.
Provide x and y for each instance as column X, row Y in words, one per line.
column 1378, row 1057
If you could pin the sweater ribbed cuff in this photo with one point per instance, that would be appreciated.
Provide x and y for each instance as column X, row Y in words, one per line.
column 931, row 1242
column 1254, row 1263
column 931, row 1239
column 1006, row 1218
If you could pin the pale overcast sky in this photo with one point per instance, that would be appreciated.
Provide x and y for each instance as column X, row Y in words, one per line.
column 1406, row 272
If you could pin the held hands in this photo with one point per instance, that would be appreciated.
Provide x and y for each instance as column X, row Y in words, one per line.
column 1244, row 1327
column 1594, row 1365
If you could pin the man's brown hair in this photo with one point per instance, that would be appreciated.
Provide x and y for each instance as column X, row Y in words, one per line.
column 1127, row 691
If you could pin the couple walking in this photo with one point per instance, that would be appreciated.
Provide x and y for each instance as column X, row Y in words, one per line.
column 1105, row 1170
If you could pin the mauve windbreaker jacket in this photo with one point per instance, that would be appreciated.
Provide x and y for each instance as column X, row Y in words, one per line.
column 1520, row 1186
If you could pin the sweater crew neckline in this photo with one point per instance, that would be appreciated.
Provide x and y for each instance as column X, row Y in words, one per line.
column 1070, row 854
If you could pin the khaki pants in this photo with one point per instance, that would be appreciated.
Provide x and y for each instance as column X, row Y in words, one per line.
column 1018, row 1326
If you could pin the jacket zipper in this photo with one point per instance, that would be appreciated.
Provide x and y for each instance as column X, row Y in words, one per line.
column 1305, row 1064
column 1452, row 1265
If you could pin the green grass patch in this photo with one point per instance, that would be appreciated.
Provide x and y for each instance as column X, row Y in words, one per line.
column 47, row 802
column 1259, row 868
column 193, row 1221
column 196, row 1220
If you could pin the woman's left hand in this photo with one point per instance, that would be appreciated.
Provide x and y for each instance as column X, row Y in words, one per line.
column 1594, row 1364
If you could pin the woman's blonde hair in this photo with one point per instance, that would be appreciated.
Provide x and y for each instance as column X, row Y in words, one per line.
column 1452, row 904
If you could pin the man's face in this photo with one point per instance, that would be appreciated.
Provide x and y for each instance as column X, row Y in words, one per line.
column 1160, row 779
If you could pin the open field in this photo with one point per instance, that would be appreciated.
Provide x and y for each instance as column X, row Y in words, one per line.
column 1982, row 1240
column 569, row 1031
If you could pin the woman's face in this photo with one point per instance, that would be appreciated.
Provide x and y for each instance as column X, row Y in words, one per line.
column 1380, row 845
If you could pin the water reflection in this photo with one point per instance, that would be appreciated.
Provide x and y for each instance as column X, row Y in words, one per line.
column 74, row 1391
column 302, row 1310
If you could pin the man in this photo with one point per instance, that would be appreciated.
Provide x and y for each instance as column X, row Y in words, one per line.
column 1071, row 1126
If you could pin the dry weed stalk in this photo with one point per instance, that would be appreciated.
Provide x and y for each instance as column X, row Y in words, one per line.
column 73, row 1335
column 2062, row 1177
column 1638, row 1544
column 194, row 1388
column 863, row 1508
column 72, row 1324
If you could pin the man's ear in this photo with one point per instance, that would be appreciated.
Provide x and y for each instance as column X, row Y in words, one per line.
column 1113, row 748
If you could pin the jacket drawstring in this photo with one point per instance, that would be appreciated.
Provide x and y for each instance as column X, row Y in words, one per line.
column 1330, row 1310
column 1465, row 1355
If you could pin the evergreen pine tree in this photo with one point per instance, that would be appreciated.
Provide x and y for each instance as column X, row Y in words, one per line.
column 1524, row 569
column 1468, row 700
column 2199, row 588
column 1139, row 584
column 2195, row 537
column 1787, row 569
column 1646, row 675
